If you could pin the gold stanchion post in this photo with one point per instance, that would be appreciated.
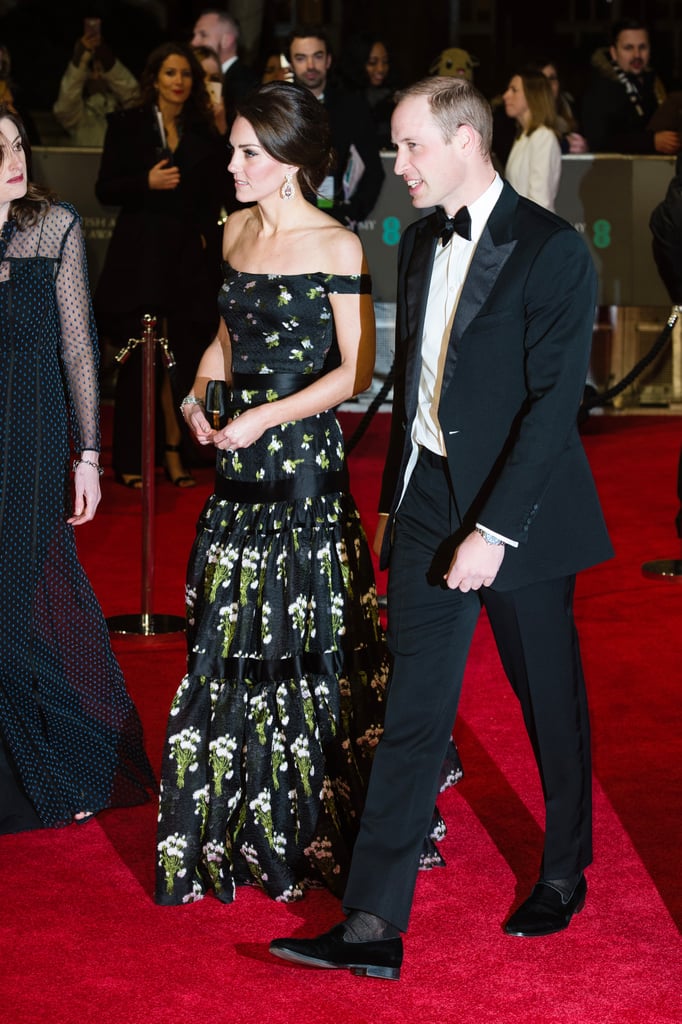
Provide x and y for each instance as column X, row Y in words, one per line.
column 147, row 624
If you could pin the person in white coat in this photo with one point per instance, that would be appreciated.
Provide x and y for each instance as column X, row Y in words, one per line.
column 94, row 85
column 534, row 163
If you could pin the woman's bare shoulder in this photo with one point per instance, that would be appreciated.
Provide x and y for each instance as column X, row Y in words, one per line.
column 237, row 222
column 341, row 250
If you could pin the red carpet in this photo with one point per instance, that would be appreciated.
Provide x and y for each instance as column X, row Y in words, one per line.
column 83, row 941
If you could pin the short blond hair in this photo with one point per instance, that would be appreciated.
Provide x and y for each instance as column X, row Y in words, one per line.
column 454, row 102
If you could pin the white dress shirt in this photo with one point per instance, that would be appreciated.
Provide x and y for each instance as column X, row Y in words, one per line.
column 450, row 268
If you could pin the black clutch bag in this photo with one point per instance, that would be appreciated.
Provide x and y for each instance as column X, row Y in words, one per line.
column 217, row 403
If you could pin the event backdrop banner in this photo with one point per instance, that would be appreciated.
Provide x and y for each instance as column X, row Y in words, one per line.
column 607, row 198
column 72, row 174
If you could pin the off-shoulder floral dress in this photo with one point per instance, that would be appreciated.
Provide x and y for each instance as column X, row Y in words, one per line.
column 272, row 731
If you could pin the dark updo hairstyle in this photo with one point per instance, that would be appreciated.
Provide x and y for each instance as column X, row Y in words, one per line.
column 37, row 200
column 197, row 108
column 292, row 126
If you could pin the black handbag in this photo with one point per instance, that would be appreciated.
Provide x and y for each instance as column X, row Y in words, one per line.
column 217, row 403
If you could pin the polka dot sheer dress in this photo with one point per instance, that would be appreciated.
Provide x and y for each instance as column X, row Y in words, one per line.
column 70, row 737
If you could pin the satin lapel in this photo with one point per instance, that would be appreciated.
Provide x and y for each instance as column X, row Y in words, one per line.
column 417, row 278
column 487, row 263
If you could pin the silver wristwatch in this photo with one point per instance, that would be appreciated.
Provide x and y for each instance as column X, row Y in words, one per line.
column 489, row 538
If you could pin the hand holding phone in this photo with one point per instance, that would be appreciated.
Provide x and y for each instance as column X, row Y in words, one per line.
column 215, row 91
column 92, row 32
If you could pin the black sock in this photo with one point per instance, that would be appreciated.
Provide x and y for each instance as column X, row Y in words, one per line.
column 364, row 927
column 565, row 886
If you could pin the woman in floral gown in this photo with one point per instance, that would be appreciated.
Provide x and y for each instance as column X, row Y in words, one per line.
column 272, row 730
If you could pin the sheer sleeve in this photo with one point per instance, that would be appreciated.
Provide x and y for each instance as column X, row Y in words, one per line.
column 79, row 347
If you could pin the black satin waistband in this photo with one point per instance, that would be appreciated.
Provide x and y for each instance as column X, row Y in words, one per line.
column 304, row 484
column 260, row 671
column 283, row 383
column 432, row 458
column 367, row 660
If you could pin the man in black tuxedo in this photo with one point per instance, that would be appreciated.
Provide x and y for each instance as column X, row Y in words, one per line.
column 220, row 31
column 351, row 191
column 490, row 501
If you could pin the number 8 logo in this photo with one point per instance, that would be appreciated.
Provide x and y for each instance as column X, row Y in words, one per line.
column 601, row 234
column 391, row 231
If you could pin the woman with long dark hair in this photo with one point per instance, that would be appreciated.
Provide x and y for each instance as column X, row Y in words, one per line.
column 163, row 164
column 365, row 67
column 567, row 126
column 70, row 739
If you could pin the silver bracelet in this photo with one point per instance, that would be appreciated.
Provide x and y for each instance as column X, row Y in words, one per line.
column 87, row 462
column 192, row 400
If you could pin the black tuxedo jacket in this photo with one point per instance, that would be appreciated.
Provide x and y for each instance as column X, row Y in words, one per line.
column 513, row 381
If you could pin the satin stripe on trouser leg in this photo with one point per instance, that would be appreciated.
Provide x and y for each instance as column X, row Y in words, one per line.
column 429, row 633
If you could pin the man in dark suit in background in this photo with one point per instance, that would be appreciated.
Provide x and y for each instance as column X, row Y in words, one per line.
column 621, row 101
column 353, row 189
column 666, row 229
column 490, row 501
column 220, row 31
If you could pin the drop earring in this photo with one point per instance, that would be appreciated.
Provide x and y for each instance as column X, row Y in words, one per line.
column 287, row 190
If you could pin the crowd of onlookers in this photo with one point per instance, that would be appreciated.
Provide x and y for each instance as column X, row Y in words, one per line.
column 619, row 96
column 624, row 107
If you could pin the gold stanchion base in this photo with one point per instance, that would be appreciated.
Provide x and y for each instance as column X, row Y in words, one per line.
column 146, row 625
column 670, row 568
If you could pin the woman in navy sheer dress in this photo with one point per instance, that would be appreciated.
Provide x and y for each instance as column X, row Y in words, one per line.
column 70, row 738
column 271, row 733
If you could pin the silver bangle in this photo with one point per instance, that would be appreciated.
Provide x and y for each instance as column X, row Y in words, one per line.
column 192, row 400
column 87, row 462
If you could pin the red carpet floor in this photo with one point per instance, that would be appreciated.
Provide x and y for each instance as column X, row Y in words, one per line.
column 82, row 940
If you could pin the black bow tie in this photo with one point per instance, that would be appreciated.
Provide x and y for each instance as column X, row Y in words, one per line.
column 446, row 226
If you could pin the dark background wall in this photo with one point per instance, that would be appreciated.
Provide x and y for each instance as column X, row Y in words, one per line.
column 501, row 34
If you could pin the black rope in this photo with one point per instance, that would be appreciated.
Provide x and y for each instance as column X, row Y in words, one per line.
column 603, row 397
